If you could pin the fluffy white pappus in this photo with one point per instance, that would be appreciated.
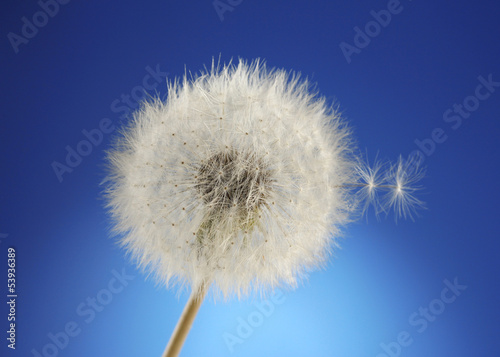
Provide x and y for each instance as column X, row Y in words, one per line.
column 237, row 181
column 390, row 187
column 403, row 178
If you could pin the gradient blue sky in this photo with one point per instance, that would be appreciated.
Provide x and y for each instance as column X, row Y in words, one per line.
column 67, row 77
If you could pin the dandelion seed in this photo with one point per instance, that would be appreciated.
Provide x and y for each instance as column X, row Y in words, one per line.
column 404, row 177
column 389, row 187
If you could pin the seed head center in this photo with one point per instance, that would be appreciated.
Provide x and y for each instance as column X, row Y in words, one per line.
column 232, row 179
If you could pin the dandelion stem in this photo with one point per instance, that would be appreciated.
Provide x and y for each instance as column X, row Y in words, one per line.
column 185, row 321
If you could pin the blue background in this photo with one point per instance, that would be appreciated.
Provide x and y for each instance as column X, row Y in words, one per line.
column 393, row 92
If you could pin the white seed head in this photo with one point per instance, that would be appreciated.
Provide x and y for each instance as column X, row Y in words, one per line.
column 236, row 180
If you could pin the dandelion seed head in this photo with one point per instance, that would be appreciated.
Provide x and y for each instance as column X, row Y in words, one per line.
column 231, row 180
column 238, row 180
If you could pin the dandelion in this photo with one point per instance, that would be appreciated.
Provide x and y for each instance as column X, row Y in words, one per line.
column 240, row 181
